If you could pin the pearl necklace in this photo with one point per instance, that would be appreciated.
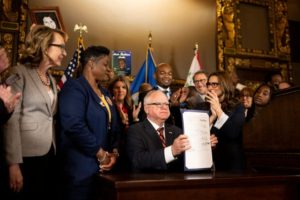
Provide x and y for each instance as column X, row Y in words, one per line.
column 47, row 82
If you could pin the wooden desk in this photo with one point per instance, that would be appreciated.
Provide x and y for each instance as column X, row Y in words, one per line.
column 198, row 186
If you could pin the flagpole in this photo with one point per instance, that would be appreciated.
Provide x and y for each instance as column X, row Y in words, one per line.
column 81, row 28
column 149, row 47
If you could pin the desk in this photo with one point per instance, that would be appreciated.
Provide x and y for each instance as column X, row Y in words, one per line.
column 163, row 186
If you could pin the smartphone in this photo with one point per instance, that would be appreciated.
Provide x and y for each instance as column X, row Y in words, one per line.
column 12, row 79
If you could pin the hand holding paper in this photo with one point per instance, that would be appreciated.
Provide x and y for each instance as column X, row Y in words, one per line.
column 180, row 144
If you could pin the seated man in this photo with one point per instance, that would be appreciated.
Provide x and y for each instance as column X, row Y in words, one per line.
column 148, row 147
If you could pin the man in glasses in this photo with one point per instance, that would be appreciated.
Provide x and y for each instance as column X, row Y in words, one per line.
column 153, row 144
column 200, row 80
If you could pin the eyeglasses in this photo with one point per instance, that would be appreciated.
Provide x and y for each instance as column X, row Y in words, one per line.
column 200, row 81
column 212, row 84
column 61, row 46
column 159, row 104
column 245, row 95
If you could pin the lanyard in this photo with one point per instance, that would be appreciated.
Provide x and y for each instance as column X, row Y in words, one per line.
column 104, row 103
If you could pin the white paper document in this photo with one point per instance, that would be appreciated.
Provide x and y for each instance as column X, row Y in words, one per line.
column 196, row 127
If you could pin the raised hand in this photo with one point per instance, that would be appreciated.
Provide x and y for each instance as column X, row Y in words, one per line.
column 124, row 116
column 135, row 111
column 9, row 99
column 215, row 105
column 175, row 97
column 4, row 62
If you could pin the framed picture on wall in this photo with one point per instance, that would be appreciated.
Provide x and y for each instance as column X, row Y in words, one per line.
column 121, row 62
column 50, row 17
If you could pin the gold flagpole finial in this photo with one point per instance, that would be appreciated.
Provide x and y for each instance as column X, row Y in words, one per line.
column 150, row 39
column 80, row 28
column 196, row 47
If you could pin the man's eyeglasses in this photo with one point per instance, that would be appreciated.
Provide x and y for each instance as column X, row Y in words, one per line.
column 200, row 81
column 61, row 46
column 212, row 84
column 159, row 104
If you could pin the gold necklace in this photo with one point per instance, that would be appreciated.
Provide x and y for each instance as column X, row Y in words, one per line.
column 47, row 82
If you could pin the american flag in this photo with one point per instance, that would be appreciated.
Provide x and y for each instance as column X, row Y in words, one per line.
column 73, row 64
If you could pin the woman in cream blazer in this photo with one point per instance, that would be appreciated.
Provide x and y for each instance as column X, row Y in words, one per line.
column 29, row 134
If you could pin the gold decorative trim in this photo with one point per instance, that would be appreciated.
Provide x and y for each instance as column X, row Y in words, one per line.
column 9, row 26
column 22, row 25
column 230, row 52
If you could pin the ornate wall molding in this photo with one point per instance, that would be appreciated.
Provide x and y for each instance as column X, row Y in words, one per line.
column 253, row 35
column 13, row 26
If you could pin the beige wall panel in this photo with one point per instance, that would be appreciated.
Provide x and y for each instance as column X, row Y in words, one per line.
column 125, row 24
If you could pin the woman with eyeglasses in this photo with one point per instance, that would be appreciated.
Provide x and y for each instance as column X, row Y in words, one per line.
column 246, row 98
column 30, row 143
column 227, row 119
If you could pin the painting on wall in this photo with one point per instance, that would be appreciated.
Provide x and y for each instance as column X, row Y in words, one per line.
column 121, row 62
column 50, row 17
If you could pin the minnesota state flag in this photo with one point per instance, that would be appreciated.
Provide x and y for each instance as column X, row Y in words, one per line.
column 145, row 74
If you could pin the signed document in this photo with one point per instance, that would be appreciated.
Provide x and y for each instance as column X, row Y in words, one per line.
column 196, row 127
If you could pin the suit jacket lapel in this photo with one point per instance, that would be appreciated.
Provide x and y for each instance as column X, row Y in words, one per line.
column 169, row 135
column 93, row 94
column 152, row 133
column 36, row 80
column 54, row 89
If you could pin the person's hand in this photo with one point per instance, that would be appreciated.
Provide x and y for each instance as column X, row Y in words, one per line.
column 124, row 116
column 184, row 94
column 215, row 105
column 108, row 162
column 213, row 140
column 180, row 144
column 9, row 99
column 4, row 62
column 135, row 111
column 175, row 97
column 15, row 178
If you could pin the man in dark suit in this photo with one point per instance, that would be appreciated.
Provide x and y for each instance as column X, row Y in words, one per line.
column 164, row 77
column 147, row 148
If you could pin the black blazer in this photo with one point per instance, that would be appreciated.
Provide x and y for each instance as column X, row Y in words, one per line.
column 145, row 150
column 228, row 154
